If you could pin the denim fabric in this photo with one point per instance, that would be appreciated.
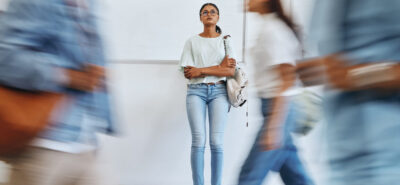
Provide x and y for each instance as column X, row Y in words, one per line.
column 363, row 133
column 201, row 97
column 284, row 160
column 363, row 129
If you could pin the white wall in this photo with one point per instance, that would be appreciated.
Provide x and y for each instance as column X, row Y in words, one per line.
column 158, row 29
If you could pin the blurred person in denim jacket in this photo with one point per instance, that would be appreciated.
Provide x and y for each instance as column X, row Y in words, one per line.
column 359, row 41
column 54, row 46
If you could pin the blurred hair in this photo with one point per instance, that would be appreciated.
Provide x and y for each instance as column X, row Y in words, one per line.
column 276, row 6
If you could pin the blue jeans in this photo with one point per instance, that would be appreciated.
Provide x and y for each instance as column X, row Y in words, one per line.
column 283, row 160
column 363, row 137
column 199, row 97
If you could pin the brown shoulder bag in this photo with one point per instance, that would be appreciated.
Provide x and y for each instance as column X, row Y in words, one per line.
column 23, row 115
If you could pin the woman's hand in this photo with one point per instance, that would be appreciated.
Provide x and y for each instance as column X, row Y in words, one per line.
column 89, row 79
column 287, row 75
column 312, row 72
column 192, row 72
column 272, row 138
column 332, row 71
column 337, row 73
column 228, row 62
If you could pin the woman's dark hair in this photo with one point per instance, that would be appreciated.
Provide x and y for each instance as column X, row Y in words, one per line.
column 217, row 28
column 276, row 6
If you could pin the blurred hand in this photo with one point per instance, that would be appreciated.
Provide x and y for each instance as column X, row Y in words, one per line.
column 272, row 138
column 89, row 79
column 312, row 72
column 228, row 62
column 330, row 70
column 337, row 73
column 192, row 72
column 287, row 73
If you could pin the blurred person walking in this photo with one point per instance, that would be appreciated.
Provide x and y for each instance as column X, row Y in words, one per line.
column 55, row 46
column 274, row 56
column 358, row 42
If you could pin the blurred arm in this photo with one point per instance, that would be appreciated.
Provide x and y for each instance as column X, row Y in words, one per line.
column 334, row 71
column 272, row 137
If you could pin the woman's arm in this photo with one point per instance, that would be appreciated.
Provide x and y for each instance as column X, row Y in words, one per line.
column 272, row 137
column 226, row 68
column 333, row 71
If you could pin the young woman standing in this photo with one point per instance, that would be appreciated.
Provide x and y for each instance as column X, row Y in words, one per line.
column 204, row 63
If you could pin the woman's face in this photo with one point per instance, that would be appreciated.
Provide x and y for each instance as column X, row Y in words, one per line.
column 209, row 15
column 258, row 6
